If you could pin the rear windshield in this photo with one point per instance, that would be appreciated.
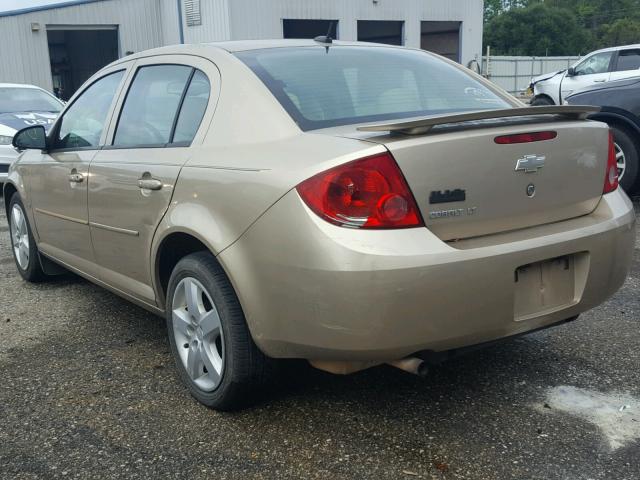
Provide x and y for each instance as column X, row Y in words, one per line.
column 343, row 85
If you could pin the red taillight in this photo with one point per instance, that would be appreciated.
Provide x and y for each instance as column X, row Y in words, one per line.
column 366, row 193
column 526, row 137
column 611, row 175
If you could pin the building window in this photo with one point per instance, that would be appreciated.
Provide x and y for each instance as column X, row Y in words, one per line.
column 295, row 28
column 381, row 31
column 192, row 13
column 442, row 38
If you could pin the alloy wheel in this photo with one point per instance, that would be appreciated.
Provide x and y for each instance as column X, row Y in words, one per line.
column 620, row 161
column 198, row 334
column 20, row 237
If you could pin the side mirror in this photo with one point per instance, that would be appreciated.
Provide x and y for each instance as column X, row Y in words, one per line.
column 34, row 138
column 571, row 72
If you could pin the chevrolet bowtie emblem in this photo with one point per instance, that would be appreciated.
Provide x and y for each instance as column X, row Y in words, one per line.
column 530, row 163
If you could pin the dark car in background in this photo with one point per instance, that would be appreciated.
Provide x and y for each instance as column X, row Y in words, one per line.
column 620, row 102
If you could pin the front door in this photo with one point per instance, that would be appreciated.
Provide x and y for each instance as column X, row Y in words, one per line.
column 591, row 71
column 133, row 178
column 60, row 181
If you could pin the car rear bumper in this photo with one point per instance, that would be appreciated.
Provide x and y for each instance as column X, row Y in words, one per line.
column 316, row 291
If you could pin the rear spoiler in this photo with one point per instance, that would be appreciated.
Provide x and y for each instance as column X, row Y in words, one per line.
column 417, row 126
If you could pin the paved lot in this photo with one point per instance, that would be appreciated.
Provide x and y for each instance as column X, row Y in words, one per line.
column 88, row 390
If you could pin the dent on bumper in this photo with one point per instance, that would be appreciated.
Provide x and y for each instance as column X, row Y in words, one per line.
column 316, row 291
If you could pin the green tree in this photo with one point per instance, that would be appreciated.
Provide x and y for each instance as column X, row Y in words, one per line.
column 595, row 14
column 624, row 31
column 602, row 23
column 493, row 8
column 539, row 29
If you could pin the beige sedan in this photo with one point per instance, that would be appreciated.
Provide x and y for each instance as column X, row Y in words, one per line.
column 348, row 204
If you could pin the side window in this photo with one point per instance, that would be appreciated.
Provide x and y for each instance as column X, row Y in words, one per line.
column 628, row 60
column 598, row 63
column 150, row 108
column 83, row 123
column 193, row 108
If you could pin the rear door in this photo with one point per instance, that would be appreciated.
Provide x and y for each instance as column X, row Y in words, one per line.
column 627, row 64
column 591, row 71
column 159, row 120
column 60, row 179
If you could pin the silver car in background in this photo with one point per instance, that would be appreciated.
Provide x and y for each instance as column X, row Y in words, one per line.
column 22, row 106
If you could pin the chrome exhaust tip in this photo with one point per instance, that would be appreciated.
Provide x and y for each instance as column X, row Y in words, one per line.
column 413, row 365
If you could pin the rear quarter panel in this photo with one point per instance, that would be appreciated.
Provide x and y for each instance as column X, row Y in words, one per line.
column 223, row 190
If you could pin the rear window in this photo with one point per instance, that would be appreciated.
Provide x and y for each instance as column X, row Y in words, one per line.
column 322, row 88
column 628, row 60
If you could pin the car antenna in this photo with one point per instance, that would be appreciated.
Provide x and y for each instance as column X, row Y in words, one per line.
column 325, row 39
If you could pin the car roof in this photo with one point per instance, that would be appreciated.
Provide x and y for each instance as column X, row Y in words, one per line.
column 233, row 46
column 621, row 47
column 18, row 85
column 243, row 45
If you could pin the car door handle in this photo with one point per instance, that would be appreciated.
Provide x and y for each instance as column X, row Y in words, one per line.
column 149, row 184
column 76, row 178
column 599, row 81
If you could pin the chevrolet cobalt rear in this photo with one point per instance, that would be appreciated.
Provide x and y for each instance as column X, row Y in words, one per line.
column 348, row 204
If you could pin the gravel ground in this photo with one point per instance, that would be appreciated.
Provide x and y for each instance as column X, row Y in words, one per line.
column 88, row 390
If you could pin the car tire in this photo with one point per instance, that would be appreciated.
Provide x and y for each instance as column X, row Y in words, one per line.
column 213, row 348
column 541, row 102
column 23, row 245
column 630, row 155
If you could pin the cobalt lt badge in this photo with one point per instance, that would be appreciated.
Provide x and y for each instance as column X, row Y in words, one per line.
column 531, row 190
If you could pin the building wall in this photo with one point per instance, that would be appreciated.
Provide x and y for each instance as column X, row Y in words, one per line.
column 169, row 19
column 265, row 18
column 215, row 22
column 24, row 56
column 144, row 24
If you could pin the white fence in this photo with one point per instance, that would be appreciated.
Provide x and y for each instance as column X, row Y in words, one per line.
column 514, row 73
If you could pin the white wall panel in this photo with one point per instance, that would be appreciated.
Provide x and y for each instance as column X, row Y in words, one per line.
column 263, row 18
column 170, row 23
column 514, row 74
column 24, row 56
column 215, row 23
column 143, row 24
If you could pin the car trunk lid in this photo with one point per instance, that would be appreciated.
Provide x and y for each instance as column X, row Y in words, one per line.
column 467, row 185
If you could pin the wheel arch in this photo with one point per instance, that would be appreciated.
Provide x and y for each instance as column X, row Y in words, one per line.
column 8, row 190
column 173, row 246
column 630, row 124
column 543, row 95
column 621, row 118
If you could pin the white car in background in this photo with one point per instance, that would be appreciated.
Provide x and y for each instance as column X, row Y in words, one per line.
column 598, row 67
column 22, row 106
